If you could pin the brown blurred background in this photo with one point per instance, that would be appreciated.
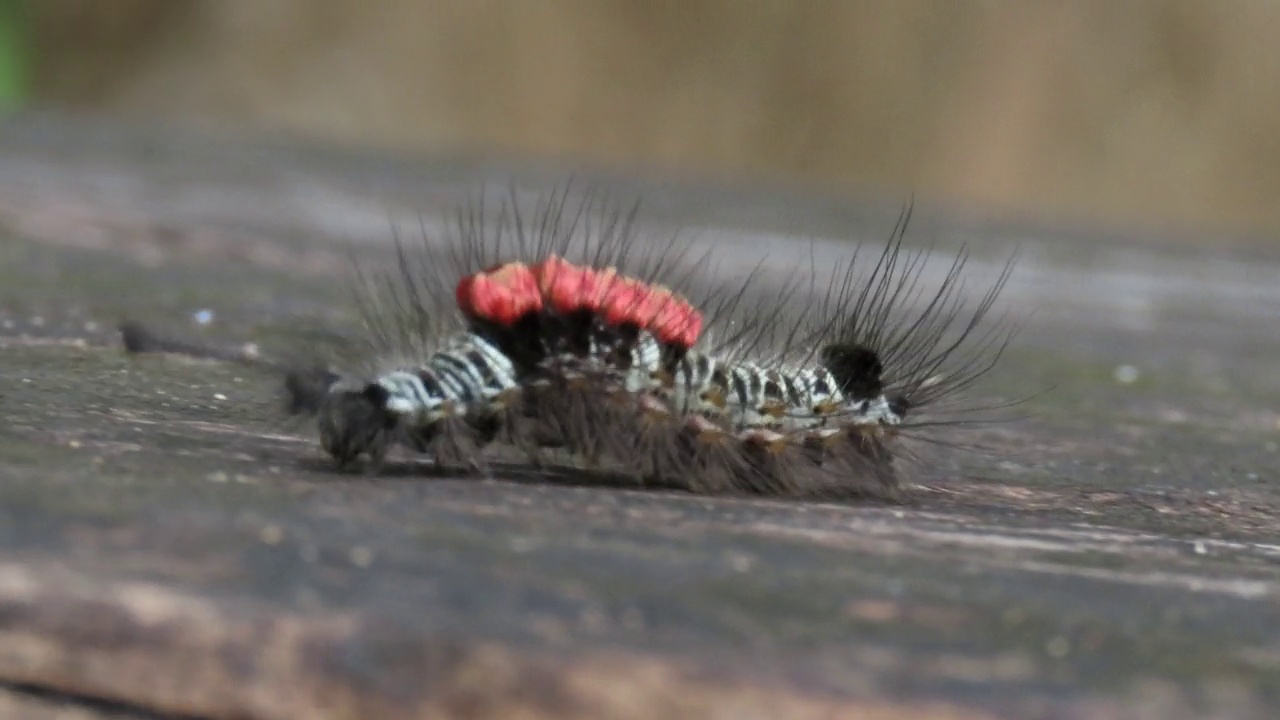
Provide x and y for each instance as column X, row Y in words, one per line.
column 1154, row 111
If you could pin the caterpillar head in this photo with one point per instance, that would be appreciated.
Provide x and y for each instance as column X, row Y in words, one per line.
column 355, row 421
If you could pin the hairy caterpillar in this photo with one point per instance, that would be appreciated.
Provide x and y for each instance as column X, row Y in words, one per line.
column 562, row 333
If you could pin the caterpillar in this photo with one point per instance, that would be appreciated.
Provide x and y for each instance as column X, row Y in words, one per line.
column 564, row 333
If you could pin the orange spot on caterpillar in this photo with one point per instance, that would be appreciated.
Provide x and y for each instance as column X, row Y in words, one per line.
column 668, row 316
column 564, row 285
column 502, row 295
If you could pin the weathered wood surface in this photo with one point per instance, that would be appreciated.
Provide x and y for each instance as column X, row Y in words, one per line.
column 171, row 548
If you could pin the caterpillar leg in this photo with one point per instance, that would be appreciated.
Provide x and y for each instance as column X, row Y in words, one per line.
column 854, row 461
column 353, row 422
column 360, row 420
column 454, row 442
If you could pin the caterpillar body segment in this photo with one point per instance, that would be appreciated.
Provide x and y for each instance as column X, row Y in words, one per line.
column 468, row 380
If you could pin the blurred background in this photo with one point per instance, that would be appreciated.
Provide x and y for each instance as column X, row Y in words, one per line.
column 1161, row 113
